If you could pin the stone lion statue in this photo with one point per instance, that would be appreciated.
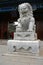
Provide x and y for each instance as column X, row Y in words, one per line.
column 26, row 21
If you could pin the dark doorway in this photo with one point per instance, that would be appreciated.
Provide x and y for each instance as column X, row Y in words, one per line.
column 38, row 14
column 4, row 25
column 3, row 29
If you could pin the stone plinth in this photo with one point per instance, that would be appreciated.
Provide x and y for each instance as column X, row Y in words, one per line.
column 25, row 36
column 28, row 46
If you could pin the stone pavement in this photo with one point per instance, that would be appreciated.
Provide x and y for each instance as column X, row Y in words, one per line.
column 20, row 58
column 3, row 42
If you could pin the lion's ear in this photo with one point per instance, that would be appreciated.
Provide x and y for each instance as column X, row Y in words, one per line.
column 29, row 7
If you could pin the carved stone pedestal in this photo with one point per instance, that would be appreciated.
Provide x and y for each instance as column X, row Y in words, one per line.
column 25, row 36
column 24, row 46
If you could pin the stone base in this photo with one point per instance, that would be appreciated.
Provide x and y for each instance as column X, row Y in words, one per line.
column 28, row 46
column 25, row 36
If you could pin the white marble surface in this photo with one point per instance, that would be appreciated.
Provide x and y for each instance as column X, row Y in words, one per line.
column 25, row 37
column 20, row 58
column 26, row 23
column 28, row 46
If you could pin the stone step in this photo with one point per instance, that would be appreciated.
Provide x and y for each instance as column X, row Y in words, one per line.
column 24, row 59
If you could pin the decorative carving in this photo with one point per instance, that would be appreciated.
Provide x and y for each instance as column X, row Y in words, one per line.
column 25, row 37
column 26, row 22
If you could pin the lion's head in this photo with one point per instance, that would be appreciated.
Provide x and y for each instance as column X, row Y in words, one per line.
column 25, row 8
